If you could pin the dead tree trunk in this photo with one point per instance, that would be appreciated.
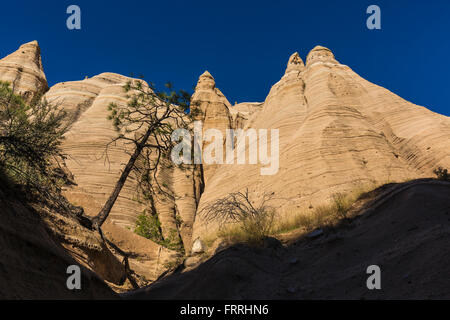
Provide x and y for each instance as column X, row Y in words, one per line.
column 101, row 217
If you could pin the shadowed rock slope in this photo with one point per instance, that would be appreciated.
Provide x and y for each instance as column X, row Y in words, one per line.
column 34, row 260
column 404, row 230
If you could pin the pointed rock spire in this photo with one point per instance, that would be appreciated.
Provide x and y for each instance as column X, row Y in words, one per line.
column 210, row 106
column 206, row 74
column 295, row 63
column 24, row 69
column 206, row 90
column 320, row 54
column 205, row 82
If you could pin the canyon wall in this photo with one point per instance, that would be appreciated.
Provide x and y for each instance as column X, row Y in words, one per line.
column 337, row 132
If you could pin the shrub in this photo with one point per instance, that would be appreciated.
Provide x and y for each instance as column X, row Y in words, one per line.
column 148, row 226
column 257, row 228
column 30, row 142
column 254, row 222
column 341, row 205
column 442, row 174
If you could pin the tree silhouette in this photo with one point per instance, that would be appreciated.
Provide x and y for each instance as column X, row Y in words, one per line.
column 147, row 122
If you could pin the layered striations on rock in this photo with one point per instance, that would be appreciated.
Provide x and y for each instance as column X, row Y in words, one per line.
column 75, row 97
column 241, row 113
column 337, row 132
column 96, row 163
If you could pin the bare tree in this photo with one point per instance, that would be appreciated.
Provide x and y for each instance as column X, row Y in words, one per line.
column 147, row 123
column 256, row 220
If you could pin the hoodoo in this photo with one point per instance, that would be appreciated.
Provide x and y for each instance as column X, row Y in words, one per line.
column 23, row 69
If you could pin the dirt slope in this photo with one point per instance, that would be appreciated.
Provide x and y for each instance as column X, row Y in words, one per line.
column 33, row 264
column 405, row 231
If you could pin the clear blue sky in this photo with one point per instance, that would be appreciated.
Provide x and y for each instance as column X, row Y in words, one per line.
column 244, row 44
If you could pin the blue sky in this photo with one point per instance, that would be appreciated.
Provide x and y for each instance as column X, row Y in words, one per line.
column 244, row 44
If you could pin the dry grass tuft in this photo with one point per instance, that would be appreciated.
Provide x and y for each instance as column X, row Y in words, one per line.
column 327, row 215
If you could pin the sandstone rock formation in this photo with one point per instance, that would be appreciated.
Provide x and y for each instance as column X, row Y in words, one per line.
column 96, row 169
column 95, row 165
column 212, row 110
column 75, row 97
column 23, row 70
column 241, row 113
column 337, row 132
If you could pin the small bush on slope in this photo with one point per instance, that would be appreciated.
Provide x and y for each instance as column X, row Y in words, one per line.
column 251, row 223
column 442, row 174
column 149, row 226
